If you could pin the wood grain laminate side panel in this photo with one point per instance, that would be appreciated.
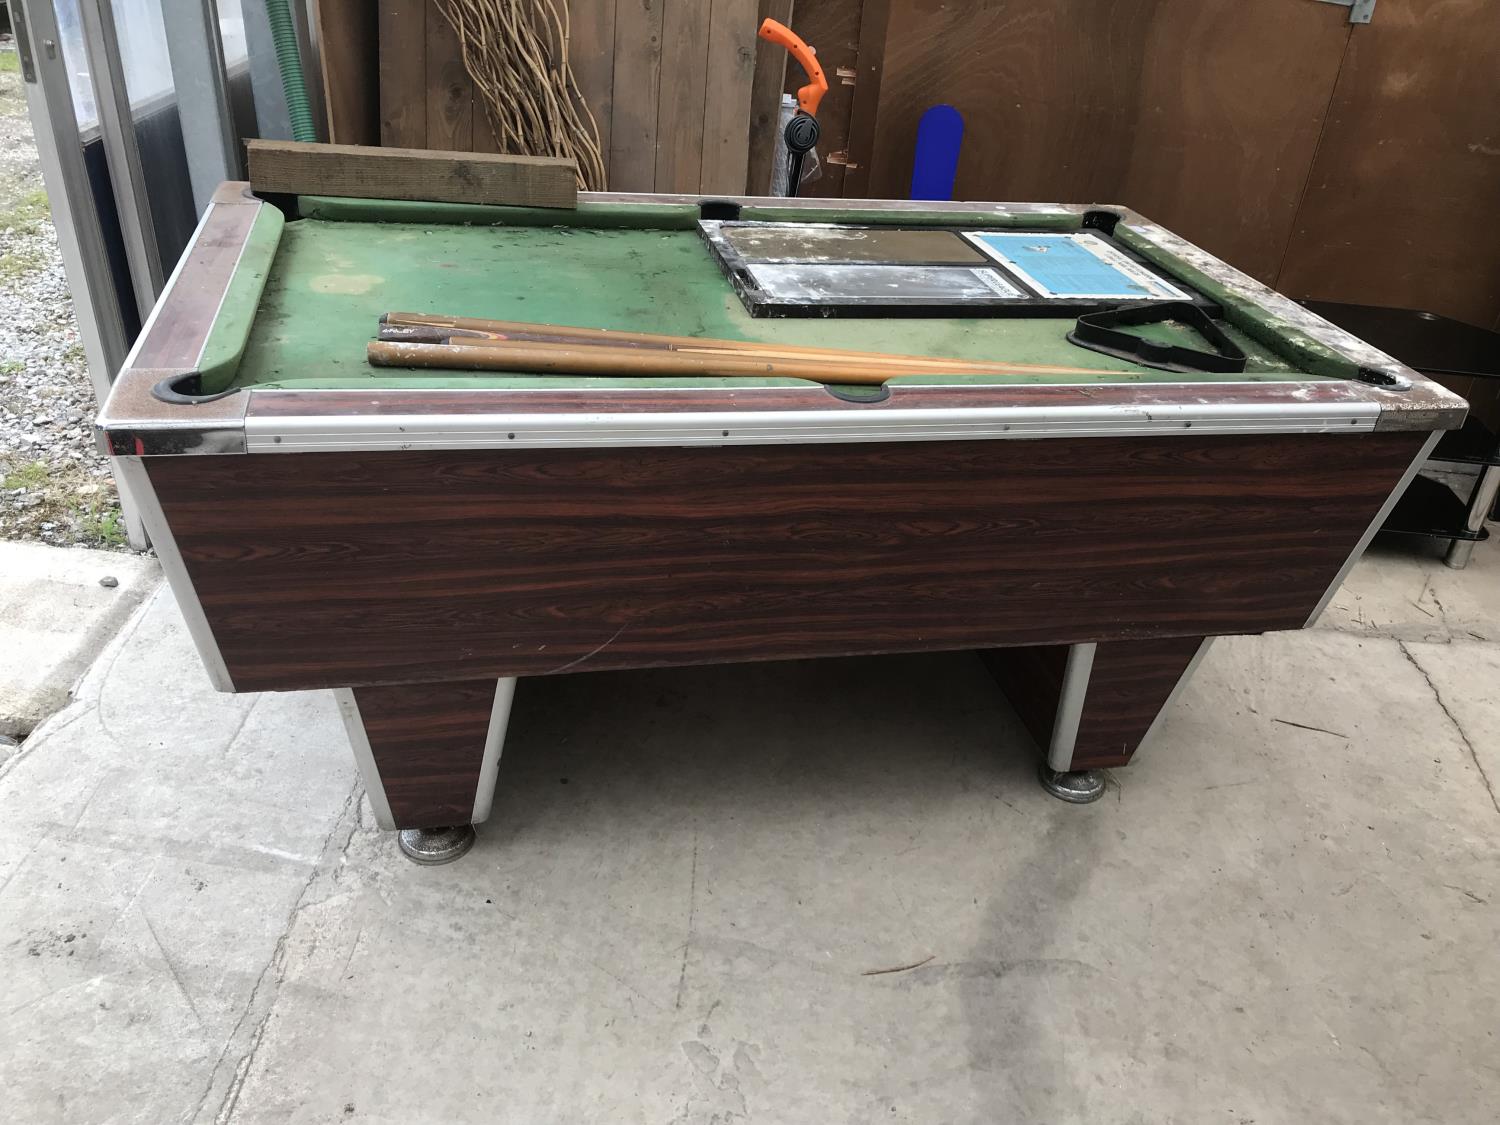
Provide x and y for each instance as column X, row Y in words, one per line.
column 428, row 744
column 1031, row 679
column 1128, row 686
column 336, row 569
column 175, row 339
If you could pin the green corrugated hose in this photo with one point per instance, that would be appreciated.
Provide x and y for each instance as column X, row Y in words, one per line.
column 289, row 62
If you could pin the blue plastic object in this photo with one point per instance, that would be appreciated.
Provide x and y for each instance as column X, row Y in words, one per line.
column 940, row 133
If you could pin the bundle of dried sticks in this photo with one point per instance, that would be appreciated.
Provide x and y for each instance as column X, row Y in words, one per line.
column 516, row 51
column 469, row 343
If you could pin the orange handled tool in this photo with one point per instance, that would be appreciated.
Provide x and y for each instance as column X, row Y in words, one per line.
column 810, row 95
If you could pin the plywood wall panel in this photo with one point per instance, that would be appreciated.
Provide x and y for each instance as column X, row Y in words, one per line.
column 727, row 92
column 403, row 73
column 638, row 54
column 450, row 92
column 1400, row 203
column 1203, row 114
column 591, row 49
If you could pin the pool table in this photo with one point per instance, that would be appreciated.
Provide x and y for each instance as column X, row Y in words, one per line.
column 422, row 541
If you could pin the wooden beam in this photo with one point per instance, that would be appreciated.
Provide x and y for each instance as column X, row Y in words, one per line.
column 348, row 33
column 403, row 73
column 399, row 173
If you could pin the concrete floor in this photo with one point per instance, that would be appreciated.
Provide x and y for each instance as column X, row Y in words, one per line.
column 60, row 607
column 1285, row 911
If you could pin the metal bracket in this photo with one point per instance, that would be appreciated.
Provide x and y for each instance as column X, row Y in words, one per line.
column 1360, row 11
column 23, row 41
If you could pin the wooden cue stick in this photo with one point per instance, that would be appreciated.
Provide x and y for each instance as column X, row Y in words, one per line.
column 602, row 360
column 878, row 362
column 464, row 325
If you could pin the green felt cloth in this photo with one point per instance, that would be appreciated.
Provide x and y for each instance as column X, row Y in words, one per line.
column 331, row 279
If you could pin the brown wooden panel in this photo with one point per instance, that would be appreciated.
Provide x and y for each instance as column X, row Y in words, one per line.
column 638, row 60
column 175, row 340
column 1399, row 207
column 485, row 137
column 1203, row 114
column 726, row 106
column 403, row 73
column 1031, row 679
column 450, row 90
column 874, row 28
column 1128, row 685
column 428, row 744
column 403, row 173
column 680, row 96
column 349, row 45
column 765, row 94
column 832, row 28
column 346, row 568
column 591, row 49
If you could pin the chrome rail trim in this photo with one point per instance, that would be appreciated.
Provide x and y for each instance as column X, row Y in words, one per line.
column 273, row 434
column 1075, row 689
column 364, row 757
column 494, row 743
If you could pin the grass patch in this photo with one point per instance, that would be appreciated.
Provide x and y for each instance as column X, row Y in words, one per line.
column 28, row 213
column 20, row 262
column 28, row 477
column 81, row 507
column 104, row 524
column 11, row 367
column 10, row 62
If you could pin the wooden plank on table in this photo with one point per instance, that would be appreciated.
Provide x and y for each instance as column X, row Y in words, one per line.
column 726, row 107
column 680, row 96
column 450, row 91
column 1399, row 206
column 1202, row 115
column 638, row 56
column 591, row 50
column 831, row 27
column 765, row 98
column 402, row 27
column 396, row 173
column 348, row 35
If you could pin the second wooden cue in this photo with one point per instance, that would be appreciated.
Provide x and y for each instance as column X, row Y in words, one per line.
column 631, row 362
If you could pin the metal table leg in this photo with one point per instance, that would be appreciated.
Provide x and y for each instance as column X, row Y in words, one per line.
column 1480, row 503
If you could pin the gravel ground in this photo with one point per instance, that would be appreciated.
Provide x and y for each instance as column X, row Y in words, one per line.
column 54, row 485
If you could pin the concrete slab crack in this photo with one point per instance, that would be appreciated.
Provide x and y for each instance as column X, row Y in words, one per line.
column 1452, row 718
column 250, row 1029
column 692, row 914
